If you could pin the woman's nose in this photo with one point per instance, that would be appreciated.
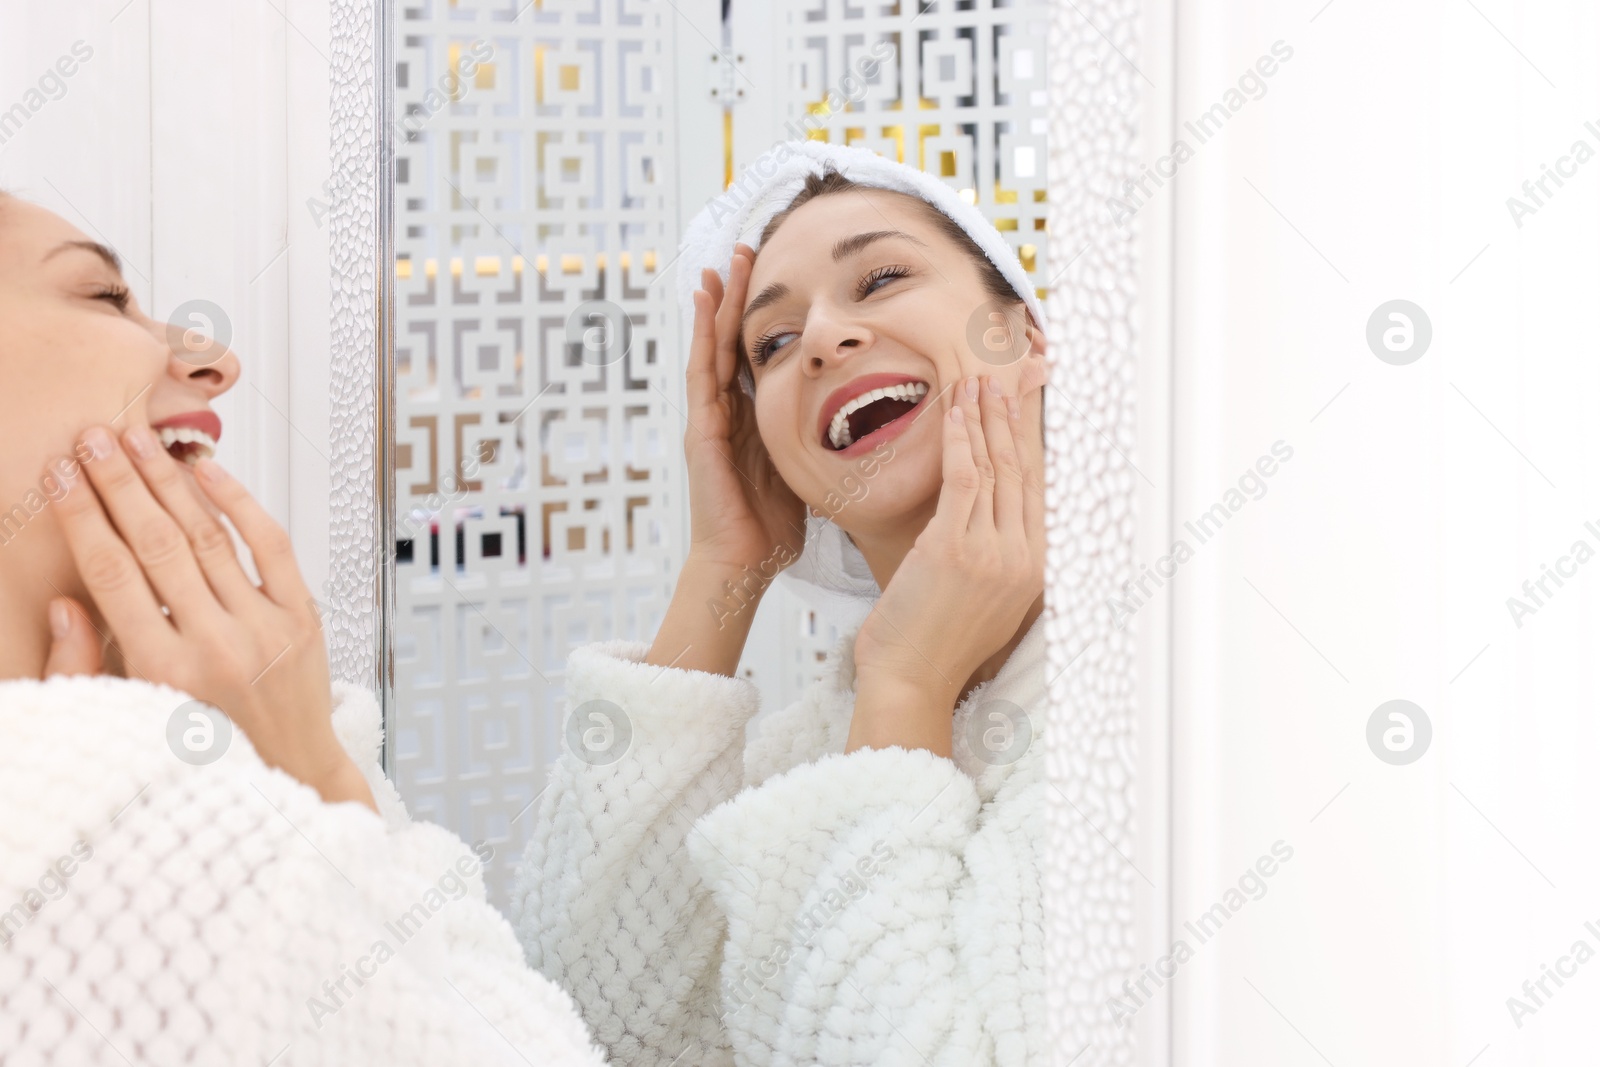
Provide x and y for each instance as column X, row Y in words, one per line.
column 839, row 338
column 214, row 371
column 198, row 359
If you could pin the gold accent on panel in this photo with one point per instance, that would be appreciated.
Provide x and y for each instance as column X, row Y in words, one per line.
column 568, row 73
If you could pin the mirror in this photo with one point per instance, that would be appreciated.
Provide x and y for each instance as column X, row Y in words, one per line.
column 544, row 169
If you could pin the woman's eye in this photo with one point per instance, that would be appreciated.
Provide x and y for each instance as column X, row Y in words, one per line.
column 869, row 284
column 766, row 346
column 115, row 296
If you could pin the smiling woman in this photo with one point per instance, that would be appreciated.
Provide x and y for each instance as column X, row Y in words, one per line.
column 197, row 926
column 866, row 865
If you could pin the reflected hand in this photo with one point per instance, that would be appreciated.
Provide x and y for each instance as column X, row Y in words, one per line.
column 741, row 511
column 143, row 538
column 977, row 567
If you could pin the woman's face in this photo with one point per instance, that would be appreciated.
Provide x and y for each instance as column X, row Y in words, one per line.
column 848, row 304
column 77, row 351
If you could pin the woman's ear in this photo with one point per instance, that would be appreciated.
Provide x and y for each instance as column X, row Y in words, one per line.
column 1034, row 367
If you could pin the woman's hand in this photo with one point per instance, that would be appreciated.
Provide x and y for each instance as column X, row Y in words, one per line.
column 741, row 511
column 142, row 538
column 973, row 573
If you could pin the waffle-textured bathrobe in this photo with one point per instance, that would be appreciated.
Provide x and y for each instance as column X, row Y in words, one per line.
column 711, row 901
column 157, row 912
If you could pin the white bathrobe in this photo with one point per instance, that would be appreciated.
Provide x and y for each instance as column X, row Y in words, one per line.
column 709, row 901
column 157, row 912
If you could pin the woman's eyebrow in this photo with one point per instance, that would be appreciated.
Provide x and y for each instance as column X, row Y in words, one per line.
column 844, row 248
column 96, row 247
column 770, row 295
column 849, row 246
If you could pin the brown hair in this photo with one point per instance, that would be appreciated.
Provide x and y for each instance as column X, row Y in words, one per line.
column 832, row 181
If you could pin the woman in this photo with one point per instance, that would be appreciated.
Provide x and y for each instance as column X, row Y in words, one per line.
column 167, row 893
column 859, row 883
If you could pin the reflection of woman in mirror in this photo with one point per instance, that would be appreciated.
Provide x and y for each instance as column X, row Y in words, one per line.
column 171, row 892
column 858, row 882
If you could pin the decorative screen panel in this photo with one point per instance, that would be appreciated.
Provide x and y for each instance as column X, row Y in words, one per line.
column 537, row 449
column 975, row 78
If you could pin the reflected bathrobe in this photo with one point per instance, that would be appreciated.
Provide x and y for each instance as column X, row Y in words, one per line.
column 710, row 900
column 152, row 911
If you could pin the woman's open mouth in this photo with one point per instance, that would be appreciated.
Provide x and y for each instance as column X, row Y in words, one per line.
column 874, row 416
column 188, row 445
column 190, row 437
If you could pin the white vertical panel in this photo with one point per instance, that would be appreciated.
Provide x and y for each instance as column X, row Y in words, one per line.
column 1156, row 58
column 219, row 206
column 85, row 154
column 1378, row 562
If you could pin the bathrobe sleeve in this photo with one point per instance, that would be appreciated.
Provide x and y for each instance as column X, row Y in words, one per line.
column 606, row 901
column 159, row 909
column 880, row 913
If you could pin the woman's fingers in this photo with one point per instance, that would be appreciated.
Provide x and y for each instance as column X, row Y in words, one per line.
column 268, row 543
column 112, row 576
column 959, row 493
column 212, row 546
column 157, row 541
column 999, row 431
column 74, row 643
column 728, row 315
column 702, row 370
column 982, row 517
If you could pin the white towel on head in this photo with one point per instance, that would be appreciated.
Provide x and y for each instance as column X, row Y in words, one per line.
column 768, row 184
column 829, row 562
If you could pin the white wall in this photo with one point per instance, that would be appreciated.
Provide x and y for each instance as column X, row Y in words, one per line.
column 191, row 140
column 1378, row 563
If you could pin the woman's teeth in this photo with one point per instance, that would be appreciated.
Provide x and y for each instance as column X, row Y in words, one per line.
column 839, row 429
column 187, row 443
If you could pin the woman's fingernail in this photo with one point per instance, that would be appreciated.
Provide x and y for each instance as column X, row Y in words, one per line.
column 210, row 472
column 99, row 442
column 972, row 388
column 994, row 386
column 1013, row 408
column 141, row 441
column 60, row 620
